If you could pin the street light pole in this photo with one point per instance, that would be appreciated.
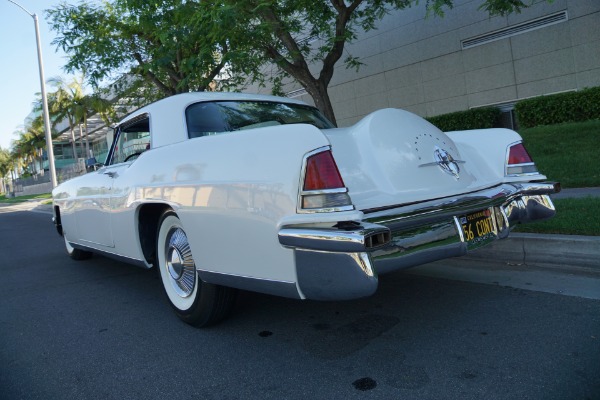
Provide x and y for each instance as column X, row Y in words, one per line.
column 46, row 114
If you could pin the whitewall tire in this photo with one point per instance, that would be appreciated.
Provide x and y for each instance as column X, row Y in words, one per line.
column 196, row 302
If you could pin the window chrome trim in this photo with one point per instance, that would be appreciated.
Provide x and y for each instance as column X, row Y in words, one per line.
column 324, row 191
column 118, row 131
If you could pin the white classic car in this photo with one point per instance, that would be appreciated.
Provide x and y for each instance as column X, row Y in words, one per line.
column 224, row 191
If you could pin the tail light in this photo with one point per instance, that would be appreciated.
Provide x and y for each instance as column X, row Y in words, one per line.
column 518, row 161
column 323, row 188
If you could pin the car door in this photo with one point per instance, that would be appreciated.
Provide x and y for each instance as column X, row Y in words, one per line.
column 93, row 208
column 100, row 198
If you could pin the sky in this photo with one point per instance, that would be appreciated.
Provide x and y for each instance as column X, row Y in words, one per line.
column 19, row 73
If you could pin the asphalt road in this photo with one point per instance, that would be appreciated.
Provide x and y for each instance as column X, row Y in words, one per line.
column 100, row 329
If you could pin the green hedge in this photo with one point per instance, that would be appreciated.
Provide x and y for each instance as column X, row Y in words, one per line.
column 559, row 108
column 477, row 118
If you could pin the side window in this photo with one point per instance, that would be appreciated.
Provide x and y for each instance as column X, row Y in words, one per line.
column 131, row 141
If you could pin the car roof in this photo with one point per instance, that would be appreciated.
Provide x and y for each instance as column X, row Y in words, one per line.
column 181, row 101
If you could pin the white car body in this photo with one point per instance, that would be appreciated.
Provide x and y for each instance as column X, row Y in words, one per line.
column 238, row 196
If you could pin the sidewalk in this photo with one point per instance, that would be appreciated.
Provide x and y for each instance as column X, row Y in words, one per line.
column 577, row 193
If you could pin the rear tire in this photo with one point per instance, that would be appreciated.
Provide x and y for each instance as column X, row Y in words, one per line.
column 195, row 302
column 76, row 254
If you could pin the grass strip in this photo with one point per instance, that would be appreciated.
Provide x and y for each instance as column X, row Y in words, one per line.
column 573, row 217
column 21, row 199
column 567, row 153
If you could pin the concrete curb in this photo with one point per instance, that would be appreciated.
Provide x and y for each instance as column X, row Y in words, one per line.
column 539, row 249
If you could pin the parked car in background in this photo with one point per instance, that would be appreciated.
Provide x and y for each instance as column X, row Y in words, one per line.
column 225, row 191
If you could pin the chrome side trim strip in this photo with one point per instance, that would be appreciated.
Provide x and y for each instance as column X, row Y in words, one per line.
column 116, row 257
column 276, row 288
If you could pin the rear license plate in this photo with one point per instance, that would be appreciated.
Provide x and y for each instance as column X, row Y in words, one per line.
column 479, row 228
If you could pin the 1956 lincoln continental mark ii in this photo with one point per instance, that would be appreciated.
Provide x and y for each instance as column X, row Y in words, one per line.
column 225, row 191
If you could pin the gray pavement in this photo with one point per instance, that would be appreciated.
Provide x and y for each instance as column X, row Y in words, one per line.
column 577, row 193
column 101, row 329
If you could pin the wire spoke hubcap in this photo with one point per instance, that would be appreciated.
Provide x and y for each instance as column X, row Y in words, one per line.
column 181, row 269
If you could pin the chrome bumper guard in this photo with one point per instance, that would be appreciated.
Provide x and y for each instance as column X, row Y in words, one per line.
column 342, row 262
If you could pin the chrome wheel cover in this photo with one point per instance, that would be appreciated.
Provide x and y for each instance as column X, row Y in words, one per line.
column 179, row 263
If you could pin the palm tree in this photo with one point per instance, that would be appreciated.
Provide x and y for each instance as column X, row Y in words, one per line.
column 25, row 151
column 70, row 102
column 89, row 105
column 62, row 104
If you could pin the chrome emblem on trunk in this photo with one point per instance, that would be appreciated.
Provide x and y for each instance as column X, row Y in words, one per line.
column 446, row 162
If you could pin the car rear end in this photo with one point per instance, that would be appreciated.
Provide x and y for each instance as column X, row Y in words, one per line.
column 424, row 196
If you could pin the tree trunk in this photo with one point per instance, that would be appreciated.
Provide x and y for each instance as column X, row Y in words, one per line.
column 41, row 161
column 73, row 142
column 318, row 91
column 81, row 139
column 87, row 140
column 325, row 104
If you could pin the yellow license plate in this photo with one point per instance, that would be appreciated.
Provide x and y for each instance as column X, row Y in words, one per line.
column 479, row 228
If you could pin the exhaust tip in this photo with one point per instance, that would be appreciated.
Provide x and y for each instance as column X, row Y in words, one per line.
column 377, row 239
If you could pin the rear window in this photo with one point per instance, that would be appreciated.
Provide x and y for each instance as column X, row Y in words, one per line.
column 213, row 118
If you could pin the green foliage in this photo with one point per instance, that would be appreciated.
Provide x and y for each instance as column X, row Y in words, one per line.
column 477, row 118
column 505, row 7
column 558, row 108
column 21, row 199
column 175, row 46
column 171, row 46
column 5, row 163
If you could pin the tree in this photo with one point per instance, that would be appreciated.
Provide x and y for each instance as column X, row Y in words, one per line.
column 158, row 43
column 63, row 104
column 175, row 46
column 28, row 148
column 69, row 102
column 5, row 167
column 282, row 32
column 89, row 105
column 35, row 135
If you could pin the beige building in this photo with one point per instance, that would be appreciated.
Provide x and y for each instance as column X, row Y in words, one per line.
column 432, row 66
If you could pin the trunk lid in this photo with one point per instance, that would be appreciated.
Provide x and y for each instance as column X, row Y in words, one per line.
column 394, row 157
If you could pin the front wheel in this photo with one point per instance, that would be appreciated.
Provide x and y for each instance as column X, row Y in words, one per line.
column 195, row 302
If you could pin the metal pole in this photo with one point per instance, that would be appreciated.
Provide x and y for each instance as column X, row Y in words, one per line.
column 46, row 115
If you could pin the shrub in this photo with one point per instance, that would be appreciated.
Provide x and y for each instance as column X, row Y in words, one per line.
column 477, row 118
column 578, row 106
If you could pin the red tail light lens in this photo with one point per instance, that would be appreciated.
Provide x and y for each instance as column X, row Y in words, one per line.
column 519, row 161
column 322, row 173
column 518, row 155
column 323, row 188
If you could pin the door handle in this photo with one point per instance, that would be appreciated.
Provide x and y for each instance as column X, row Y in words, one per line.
column 112, row 174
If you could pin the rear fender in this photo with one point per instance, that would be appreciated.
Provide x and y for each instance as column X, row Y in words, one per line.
column 490, row 147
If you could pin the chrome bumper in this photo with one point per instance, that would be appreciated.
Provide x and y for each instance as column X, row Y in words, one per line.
column 343, row 261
